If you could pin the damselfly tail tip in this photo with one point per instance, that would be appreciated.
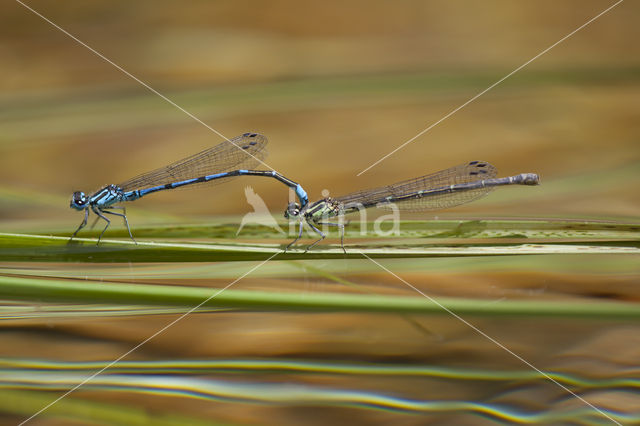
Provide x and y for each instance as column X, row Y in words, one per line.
column 530, row 179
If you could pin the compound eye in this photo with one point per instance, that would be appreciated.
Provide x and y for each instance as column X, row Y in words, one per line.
column 293, row 209
column 291, row 212
column 79, row 198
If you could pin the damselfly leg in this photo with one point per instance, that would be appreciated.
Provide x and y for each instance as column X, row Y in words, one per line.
column 319, row 232
column 82, row 224
column 122, row 215
column 340, row 226
column 99, row 213
column 297, row 238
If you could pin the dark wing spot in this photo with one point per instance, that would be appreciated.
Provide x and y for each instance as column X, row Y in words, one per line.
column 482, row 165
column 252, row 143
column 245, row 147
column 472, row 163
column 253, row 135
column 473, row 173
column 483, row 171
column 246, row 134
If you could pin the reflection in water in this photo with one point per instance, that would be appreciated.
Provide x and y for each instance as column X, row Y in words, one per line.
column 291, row 364
column 260, row 381
column 264, row 365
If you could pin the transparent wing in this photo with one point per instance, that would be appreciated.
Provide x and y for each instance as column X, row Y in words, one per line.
column 464, row 173
column 242, row 152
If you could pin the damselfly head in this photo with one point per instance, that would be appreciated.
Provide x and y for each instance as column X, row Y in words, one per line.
column 79, row 201
column 292, row 211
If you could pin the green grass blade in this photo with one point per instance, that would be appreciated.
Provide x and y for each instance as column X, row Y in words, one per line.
column 50, row 290
column 25, row 247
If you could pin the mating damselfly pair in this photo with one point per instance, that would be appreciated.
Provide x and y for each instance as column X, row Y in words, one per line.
column 235, row 157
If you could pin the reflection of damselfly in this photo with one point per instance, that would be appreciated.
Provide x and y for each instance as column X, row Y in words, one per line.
column 444, row 189
column 214, row 165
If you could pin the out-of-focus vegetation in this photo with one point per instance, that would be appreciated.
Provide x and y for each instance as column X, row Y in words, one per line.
column 333, row 87
column 549, row 272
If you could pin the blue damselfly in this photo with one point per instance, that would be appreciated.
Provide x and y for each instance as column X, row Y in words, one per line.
column 217, row 164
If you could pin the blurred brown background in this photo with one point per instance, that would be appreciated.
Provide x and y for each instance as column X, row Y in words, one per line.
column 333, row 86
